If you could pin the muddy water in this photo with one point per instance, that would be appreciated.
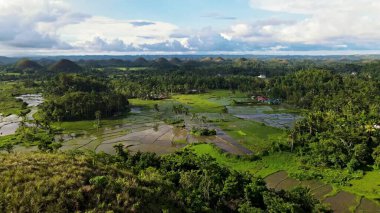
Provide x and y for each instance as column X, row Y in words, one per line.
column 367, row 206
column 147, row 137
column 136, row 110
column 342, row 202
column 275, row 120
column 32, row 100
column 10, row 124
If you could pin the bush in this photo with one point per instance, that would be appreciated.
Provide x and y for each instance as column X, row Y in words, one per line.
column 203, row 132
column 99, row 181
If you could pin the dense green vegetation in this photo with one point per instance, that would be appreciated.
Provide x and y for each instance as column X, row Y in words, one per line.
column 73, row 97
column 337, row 139
column 340, row 130
column 141, row 182
column 361, row 184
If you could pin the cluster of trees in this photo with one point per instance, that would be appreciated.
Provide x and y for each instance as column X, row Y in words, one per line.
column 143, row 182
column 341, row 128
column 74, row 97
column 161, row 77
column 180, row 109
column 203, row 131
column 155, row 82
column 160, row 84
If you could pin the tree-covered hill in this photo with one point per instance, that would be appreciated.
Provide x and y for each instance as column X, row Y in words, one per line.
column 65, row 66
column 26, row 64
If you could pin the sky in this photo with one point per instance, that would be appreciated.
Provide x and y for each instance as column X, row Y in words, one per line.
column 121, row 27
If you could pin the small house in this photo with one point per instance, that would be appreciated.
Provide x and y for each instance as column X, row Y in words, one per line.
column 262, row 98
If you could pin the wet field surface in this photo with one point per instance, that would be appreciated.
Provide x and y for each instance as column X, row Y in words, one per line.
column 10, row 124
column 340, row 202
column 159, row 138
column 282, row 121
column 32, row 100
column 269, row 115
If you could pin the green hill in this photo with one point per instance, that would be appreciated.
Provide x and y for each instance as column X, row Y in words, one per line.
column 65, row 66
column 27, row 64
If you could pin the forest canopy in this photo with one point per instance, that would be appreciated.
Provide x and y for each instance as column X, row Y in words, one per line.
column 74, row 97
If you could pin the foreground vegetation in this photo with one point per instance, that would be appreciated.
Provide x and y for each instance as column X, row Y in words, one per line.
column 67, row 182
column 360, row 183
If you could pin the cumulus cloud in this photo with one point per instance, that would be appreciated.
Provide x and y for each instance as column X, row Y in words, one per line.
column 37, row 25
column 33, row 23
column 110, row 29
column 52, row 24
column 102, row 45
column 209, row 40
column 166, row 46
column 327, row 22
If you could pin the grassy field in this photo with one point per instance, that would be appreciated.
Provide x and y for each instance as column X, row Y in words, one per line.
column 368, row 185
column 211, row 102
column 88, row 126
column 264, row 167
column 253, row 135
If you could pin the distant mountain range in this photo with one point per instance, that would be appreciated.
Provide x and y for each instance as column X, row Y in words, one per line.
column 50, row 59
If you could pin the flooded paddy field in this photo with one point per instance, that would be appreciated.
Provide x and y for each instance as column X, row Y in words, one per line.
column 159, row 138
column 33, row 100
column 284, row 121
column 275, row 116
column 10, row 124
column 340, row 202
column 143, row 130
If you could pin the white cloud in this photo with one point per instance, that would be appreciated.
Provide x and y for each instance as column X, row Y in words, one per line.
column 110, row 29
column 33, row 23
column 52, row 25
column 326, row 22
column 102, row 45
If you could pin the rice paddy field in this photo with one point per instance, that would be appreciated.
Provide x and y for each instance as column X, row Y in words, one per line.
column 152, row 126
column 361, row 196
column 9, row 104
column 234, row 135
